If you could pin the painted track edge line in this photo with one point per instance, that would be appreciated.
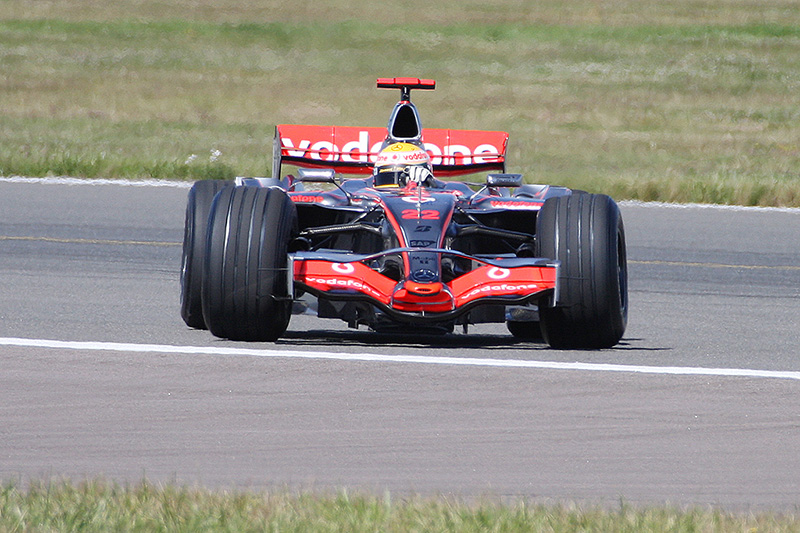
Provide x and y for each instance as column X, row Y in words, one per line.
column 66, row 180
column 408, row 359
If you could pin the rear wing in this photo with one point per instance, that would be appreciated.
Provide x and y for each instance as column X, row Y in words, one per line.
column 352, row 150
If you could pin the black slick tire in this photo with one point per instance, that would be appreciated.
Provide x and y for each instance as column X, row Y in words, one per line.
column 585, row 233
column 195, row 232
column 245, row 292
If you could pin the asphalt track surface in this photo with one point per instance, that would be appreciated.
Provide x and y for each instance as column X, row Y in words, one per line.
column 699, row 405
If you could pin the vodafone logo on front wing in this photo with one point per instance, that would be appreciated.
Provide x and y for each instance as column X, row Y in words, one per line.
column 343, row 268
column 502, row 289
column 498, row 273
column 343, row 283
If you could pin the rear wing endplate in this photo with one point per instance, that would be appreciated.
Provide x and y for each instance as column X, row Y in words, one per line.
column 352, row 150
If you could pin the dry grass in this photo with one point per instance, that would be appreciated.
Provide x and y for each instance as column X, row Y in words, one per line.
column 678, row 100
column 620, row 13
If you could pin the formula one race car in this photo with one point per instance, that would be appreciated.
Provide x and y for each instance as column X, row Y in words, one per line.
column 398, row 249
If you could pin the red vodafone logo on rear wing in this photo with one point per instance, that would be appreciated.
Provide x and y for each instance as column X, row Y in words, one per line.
column 355, row 149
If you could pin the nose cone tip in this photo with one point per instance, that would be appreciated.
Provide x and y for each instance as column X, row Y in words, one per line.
column 423, row 289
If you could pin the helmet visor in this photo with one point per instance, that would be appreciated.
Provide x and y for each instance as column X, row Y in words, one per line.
column 391, row 175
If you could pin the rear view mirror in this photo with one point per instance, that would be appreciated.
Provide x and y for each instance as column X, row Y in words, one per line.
column 314, row 175
column 504, row 180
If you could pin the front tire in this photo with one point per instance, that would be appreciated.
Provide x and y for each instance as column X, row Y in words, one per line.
column 245, row 284
column 195, row 231
column 585, row 233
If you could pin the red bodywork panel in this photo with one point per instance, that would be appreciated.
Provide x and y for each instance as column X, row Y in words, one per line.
column 356, row 278
column 405, row 83
column 352, row 150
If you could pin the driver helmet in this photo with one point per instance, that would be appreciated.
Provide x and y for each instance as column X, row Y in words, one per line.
column 394, row 162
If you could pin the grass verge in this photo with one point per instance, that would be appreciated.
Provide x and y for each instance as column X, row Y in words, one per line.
column 101, row 506
column 673, row 101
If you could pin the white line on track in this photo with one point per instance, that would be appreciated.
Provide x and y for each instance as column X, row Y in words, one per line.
column 65, row 180
column 407, row 359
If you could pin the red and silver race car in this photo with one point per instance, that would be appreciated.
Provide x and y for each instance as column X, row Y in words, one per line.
column 395, row 248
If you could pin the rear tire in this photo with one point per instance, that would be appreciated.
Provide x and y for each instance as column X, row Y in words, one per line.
column 195, row 231
column 585, row 233
column 245, row 285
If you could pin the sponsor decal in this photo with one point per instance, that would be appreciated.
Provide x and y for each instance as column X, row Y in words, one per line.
column 363, row 149
column 498, row 273
column 353, row 284
column 508, row 204
column 403, row 153
column 421, row 259
column 502, row 288
column 416, row 199
column 455, row 154
column 343, row 268
column 306, row 198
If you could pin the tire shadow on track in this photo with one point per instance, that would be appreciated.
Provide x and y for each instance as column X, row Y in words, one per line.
column 483, row 342
column 371, row 338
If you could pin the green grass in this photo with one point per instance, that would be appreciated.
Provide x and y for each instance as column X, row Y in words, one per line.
column 101, row 506
column 680, row 100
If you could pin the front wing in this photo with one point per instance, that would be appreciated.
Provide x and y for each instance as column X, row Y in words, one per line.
column 340, row 276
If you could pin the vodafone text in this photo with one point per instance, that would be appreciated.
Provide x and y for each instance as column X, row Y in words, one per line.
column 362, row 150
column 344, row 284
column 503, row 288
